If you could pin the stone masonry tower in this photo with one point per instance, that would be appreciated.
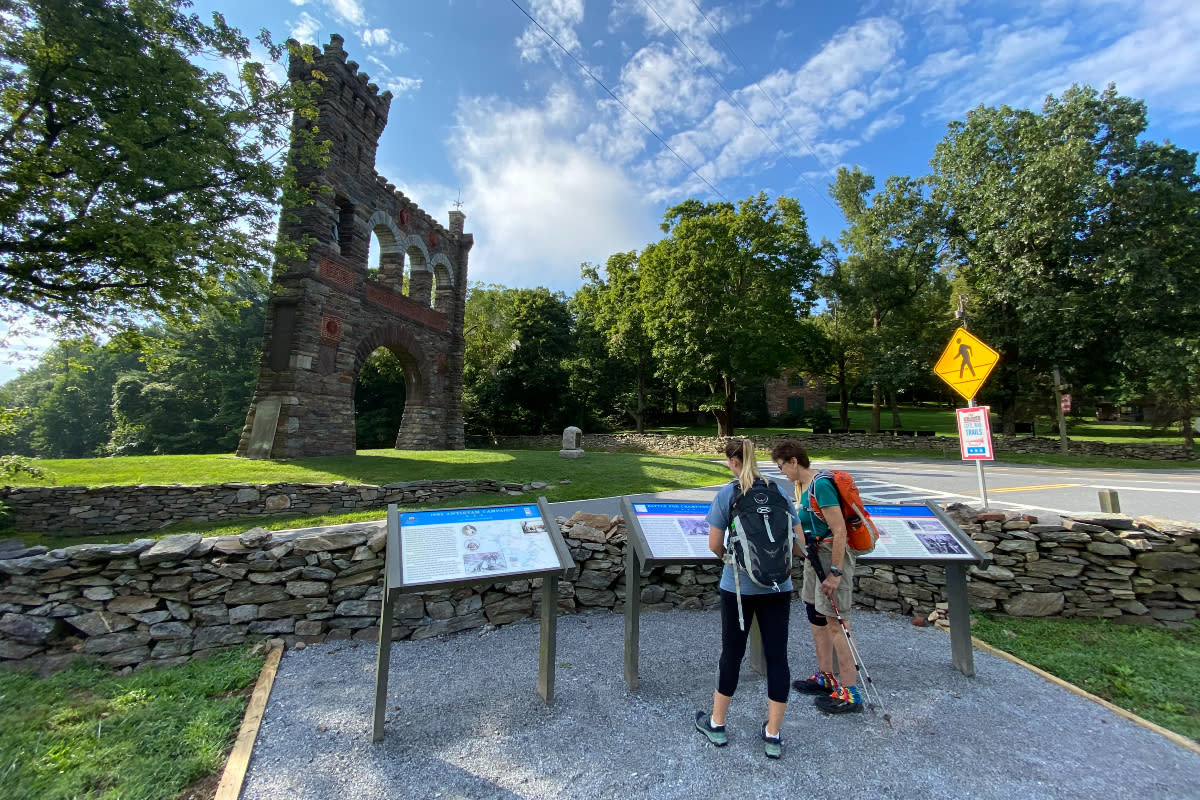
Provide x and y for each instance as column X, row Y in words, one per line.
column 328, row 312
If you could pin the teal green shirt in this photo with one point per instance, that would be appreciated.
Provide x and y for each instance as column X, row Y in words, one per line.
column 826, row 493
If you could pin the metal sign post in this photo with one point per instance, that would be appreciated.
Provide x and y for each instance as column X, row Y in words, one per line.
column 965, row 364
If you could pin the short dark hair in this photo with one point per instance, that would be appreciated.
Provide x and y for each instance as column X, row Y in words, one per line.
column 789, row 449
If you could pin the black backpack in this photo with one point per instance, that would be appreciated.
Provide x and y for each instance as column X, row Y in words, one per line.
column 761, row 535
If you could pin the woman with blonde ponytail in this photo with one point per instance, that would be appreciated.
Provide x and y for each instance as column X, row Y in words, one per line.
column 771, row 607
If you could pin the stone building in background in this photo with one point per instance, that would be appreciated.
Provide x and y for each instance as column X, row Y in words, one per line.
column 794, row 392
column 329, row 312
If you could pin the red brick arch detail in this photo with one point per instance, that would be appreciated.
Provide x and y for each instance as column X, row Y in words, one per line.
column 412, row 357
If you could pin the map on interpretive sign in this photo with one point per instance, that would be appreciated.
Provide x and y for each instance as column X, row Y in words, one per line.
column 466, row 543
column 674, row 530
column 914, row 532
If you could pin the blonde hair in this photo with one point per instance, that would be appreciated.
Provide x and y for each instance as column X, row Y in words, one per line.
column 743, row 450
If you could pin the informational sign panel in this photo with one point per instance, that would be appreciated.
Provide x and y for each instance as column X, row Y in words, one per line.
column 917, row 533
column 674, row 530
column 965, row 363
column 474, row 543
column 975, row 434
column 1065, row 403
column 467, row 547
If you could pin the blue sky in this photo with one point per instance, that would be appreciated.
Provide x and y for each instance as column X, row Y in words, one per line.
column 754, row 95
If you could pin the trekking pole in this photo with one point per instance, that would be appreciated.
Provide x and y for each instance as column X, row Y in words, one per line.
column 873, row 697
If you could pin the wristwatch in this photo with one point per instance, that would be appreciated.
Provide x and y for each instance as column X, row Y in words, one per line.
column 835, row 571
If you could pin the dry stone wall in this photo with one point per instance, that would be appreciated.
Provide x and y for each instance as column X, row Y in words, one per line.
column 121, row 509
column 166, row 601
column 656, row 443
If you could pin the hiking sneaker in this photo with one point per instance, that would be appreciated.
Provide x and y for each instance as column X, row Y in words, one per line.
column 845, row 700
column 773, row 745
column 715, row 733
column 820, row 683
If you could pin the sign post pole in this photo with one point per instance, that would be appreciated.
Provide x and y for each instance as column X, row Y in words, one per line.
column 979, row 469
column 633, row 610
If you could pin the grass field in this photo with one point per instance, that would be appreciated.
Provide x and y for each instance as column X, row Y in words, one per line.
column 86, row 732
column 1149, row 671
column 599, row 474
column 942, row 421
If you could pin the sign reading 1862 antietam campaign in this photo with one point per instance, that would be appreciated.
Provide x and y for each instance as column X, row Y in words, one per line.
column 465, row 543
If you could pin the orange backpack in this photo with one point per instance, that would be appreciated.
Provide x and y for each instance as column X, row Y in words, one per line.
column 861, row 530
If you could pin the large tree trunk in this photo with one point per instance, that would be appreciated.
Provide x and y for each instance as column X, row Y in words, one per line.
column 1189, row 434
column 896, row 423
column 640, row 415
column 725, row 415
column 843, row 396
column 876, row 403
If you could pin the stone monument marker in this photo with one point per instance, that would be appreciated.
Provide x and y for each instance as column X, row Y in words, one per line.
column 572, row 438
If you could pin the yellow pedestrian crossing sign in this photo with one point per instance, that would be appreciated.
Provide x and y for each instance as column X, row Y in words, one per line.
column 966, row 363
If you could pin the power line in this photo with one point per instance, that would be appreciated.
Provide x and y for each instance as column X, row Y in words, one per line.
column 740, row 107
column 766, row 94
column 621, row 102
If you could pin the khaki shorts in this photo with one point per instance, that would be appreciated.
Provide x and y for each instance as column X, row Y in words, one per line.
column 811, row 592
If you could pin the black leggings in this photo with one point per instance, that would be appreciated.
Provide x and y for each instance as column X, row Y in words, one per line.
column 772, row 611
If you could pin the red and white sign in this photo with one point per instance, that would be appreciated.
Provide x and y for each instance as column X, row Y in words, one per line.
column 1065, row 403
column 975, row 434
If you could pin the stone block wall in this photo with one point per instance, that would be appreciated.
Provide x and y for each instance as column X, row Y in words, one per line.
column 105, row 510
column 816, row 442
column 166, row 601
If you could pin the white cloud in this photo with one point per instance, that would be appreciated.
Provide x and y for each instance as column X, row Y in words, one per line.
column 305, row 29
column 374, row 37
column 841, row 85
column 893, row 119
column 559, row 18
column 1147, row 48
column 539, row 202
column 382, row 76
column 381, row 39
column 350, row 11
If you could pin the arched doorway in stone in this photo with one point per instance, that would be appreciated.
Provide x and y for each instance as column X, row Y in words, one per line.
column 380, row 392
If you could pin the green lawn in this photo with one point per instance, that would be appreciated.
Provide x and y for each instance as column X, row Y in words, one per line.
column 88, row 733
column 1150, row 671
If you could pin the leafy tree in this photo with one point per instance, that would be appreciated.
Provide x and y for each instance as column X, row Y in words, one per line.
column 194, row 379
column 514, row 378
column 893, row 247
column 379, row 396
column 134, row 181
column 1043, row 213
column 724, row 294
column 1151, row 256
column 613, row 304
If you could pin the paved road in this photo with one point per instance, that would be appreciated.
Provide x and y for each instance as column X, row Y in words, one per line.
column 1167, row 493
column 1051, row 490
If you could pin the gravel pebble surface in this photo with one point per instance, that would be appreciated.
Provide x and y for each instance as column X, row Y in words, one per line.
column 464, row 721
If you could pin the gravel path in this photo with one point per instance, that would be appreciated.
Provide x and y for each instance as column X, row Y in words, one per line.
column 465, row 721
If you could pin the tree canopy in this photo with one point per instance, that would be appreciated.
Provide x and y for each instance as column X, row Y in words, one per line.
column 1074, row 239
column 133, row 180
column 725, row 294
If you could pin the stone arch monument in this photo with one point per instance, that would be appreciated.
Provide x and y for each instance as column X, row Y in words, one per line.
column 329, row 312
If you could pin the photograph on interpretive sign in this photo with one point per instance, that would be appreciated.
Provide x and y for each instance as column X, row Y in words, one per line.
column 914, row 532
column 674, row 530
column 463, row 543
